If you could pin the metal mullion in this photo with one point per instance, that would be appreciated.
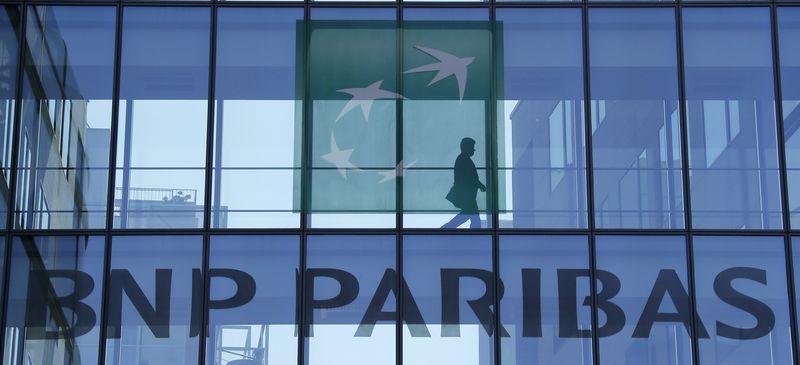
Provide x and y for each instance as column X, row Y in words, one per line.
column 112, row 166
column 10, row 207
column 587, row 122
column 782, row 167
column 399, row 306
column 684, row 125
column 305, row 181
column 210, row 127
column 494, row 187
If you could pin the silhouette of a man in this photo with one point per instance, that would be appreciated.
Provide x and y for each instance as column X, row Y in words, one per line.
column 464, row 192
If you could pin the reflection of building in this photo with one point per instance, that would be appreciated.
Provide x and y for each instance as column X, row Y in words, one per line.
column 160, row 208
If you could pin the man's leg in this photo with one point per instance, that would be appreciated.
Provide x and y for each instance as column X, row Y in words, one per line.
column 474, row 221
column 459, row 219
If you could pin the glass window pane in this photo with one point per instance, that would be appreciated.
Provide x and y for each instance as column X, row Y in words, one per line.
column 161, row 146
column 258, row 118
column 54, row 300
column 354, row 92
column 546, row 280
column 653, row 295
column 154, row 305
column 730, row 106
column 252, row 305
column 796, row 268
column 788, row 33
column 447, row 118
column 9, row 56
column 742, row 300
column 541, row 149
column 636, row 135
column 351, row 294
column 66, row 117
column 447, row 312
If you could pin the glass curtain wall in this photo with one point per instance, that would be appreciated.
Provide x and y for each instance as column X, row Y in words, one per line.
column 398, row 184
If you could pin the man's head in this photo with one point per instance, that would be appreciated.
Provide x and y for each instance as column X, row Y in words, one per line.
column 468, row 146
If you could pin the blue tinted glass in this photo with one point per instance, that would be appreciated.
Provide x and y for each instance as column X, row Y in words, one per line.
column 66, row 117
column 54, row 300
column 447, row 313
column 154, row 306
column 352, row 65
column 161, row 145
column 258, row 133
column 655, row 321
column 796, row 275
column 742, row 300
column 350, row 298
column 9, row 48
column 788, row 33
column 252, row 308
column 446, row 64
column 546, row 280
column 541, row 150
column 730, row 110
column 636, row 135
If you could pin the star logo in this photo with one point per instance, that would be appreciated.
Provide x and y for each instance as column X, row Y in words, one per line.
column 340, row 158
column 364, row 96
column 448, row 65
column 390, row 175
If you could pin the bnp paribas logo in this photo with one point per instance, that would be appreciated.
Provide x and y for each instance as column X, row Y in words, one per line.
column 444, row 64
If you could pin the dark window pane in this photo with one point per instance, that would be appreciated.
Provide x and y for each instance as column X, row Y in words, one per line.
column 653, row 295
column 636, row 136
column 9, row 55
column 54, row 300
column 447, row 314
column 354, row 91
column 258, row 118
column 730, row 109
column 546, row 264
column 66, row 117
column 541, row 149
column 152, row 301
column 350, row 279
column 163, row 112
column 446, row 70
column 789, row 33
column 796, row 268
column 263, row 327
column 742, row 300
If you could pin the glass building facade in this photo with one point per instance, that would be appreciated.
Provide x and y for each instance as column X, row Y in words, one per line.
column 382, row 183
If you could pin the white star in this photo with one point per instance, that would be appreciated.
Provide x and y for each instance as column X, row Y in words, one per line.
column 364, row 96
column 340, row 158
column 394, row 173
column 447, row 65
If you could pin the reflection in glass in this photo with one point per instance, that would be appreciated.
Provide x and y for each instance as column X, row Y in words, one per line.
column 546, row 264
column 161, row 146
column 788, row 32
column 447, row 312
column 795, row 243
column 66, row 117
column 653, row 295
column 636, row 139
column 730, row 106
column 541, row 149
column 742, row 300
column 351, row 288
column 258, row 112
column 446, row 119
column 260, row 325
column 9, row 51
column 54, row 300
column 353, row 90
column 152, row 304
